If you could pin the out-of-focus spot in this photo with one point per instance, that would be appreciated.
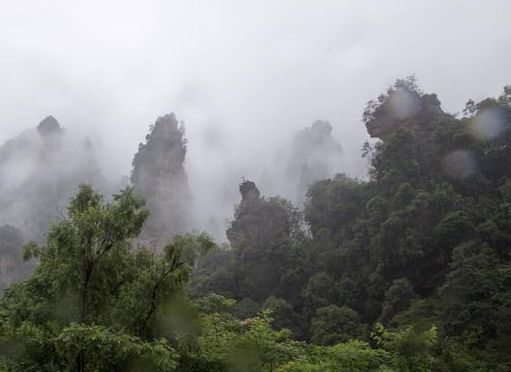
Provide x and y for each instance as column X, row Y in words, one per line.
column 459, row 164
column 488, row 124
column 404, row 104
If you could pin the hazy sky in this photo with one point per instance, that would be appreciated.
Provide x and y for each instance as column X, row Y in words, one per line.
column 243, row 75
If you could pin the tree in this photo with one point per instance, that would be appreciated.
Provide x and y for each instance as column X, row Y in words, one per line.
column 281, row 312
column 95, row 302
column 333, row 324
column 424, row 241
column 334, row 204
column 261, row 236
column 397, row 299
column 468, row 309
column 409, row 349
column 320, row 292
column 350, row 356
column 228, row 344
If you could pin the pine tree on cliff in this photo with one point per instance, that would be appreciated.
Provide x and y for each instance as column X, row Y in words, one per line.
column 160, row 177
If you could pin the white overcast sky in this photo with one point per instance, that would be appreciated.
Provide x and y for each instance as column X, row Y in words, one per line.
column 243, row 75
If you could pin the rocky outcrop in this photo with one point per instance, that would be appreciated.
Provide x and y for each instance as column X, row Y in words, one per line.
column 40, row 170
column 159, row 176
column 48, row 126
column 403, row 107
column 249, row 191
column 314, row 155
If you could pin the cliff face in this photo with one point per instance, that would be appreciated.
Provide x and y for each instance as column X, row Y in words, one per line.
column 49, row 126
column 314, row 155
column 160, row 177
column 403, row 107
column 40, row 170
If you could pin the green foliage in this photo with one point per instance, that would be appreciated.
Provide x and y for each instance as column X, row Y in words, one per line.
column 106, row 349
column 425, row 241
column 408, row 348
column 95, row 302
column 422, row 246
column 320, row 291
column 265, row 237
column 397, row 299
column 333, row 324
column 244, row 345
column 351, row 356
column 281, row 312
column 478, row 316
column 334, row 204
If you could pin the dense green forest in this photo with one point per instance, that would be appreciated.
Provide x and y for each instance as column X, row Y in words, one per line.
column 408, row 270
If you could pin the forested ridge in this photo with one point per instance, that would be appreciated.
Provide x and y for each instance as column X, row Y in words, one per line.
column 408, row 270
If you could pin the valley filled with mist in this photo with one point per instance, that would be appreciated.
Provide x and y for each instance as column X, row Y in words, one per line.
column 260, row 187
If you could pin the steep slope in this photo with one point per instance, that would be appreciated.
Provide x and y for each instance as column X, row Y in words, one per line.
column 160, row 177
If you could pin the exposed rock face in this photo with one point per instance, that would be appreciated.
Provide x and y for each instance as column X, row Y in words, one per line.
column 160, row 177
column 40, row 170
column 314, row 155
column 249, row 191
column 48, row 126
column 403, row 107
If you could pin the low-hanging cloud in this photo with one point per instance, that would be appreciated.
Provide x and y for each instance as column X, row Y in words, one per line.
column 244, row 77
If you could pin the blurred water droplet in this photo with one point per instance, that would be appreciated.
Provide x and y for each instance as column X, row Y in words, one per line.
column 459, row 164
column 404, row 104
column 488, row 124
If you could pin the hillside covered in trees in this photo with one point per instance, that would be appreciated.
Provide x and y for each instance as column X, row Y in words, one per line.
column 408, row 270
